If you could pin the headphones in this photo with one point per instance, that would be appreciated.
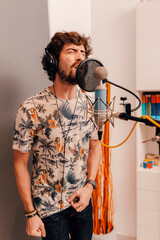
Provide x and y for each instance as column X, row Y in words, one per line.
column 50, row 62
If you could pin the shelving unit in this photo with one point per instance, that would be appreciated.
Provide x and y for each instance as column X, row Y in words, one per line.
column 147, row 79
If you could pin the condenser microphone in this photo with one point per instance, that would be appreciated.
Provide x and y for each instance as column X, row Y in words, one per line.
column 90, row 75
column 100, row 116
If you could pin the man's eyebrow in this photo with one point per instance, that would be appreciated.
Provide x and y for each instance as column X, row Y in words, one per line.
column 72, row 48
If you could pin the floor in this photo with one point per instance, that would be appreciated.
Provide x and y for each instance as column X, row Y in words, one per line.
column 114, row 237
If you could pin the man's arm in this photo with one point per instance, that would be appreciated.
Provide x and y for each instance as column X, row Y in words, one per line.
column 84, row 194
column 34, row 226
column 93, row 159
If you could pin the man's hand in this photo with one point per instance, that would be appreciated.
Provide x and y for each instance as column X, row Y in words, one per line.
column 83, row 195
column 35, row 227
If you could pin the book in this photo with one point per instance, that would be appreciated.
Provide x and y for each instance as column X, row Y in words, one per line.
column 149, row 105
column 158, row 107
column 146, row 104
column 143, row 104
column 153, row 106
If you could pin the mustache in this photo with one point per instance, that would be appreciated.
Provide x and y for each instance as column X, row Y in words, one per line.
column 75, row 64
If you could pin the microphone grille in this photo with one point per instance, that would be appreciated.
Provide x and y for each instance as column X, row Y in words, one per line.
column 100, row 73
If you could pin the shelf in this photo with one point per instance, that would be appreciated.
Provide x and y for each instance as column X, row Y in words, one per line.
column 155, row 169
column 147, row 86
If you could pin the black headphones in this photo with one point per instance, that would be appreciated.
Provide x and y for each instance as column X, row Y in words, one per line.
column 50, row 62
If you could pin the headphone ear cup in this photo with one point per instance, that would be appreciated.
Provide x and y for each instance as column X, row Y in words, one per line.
column 54, row 64
column 51, row 62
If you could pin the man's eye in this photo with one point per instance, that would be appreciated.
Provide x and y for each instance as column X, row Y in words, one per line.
column 71, row 51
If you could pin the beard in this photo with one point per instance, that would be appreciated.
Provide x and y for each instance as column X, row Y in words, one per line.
column 66, row 78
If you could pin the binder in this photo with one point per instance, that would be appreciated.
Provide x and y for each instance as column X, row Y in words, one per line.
column 149, row 104
column 143, row 104
column 153, row 106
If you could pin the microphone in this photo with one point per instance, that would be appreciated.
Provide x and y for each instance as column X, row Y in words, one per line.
column 104, row 112
column 90, row 75
column 100, row 116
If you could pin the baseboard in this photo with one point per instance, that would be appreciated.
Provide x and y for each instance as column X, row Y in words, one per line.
column 122, row 237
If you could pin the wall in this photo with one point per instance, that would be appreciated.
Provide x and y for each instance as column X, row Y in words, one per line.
column 70, row 15
column 113, row 33
column 24, row 35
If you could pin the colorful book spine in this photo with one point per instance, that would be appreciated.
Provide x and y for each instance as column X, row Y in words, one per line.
column 143, row 104
column 157, row 110
column 146, row 105
column 158, row 107
column 151, row 105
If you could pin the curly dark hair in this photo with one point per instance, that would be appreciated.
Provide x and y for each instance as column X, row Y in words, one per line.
column 55, row 46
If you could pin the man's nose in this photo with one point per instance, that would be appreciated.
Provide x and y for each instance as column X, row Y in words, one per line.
column 80, row 56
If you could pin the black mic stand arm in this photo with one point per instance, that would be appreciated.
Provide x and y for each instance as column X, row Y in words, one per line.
column 126, row 117
column 144, row 120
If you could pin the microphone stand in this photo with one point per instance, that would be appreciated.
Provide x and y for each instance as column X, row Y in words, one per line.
column 127, row 116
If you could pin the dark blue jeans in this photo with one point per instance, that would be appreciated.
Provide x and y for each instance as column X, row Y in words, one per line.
column 78, row 224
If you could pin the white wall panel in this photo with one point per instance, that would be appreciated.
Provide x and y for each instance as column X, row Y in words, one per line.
column 148, row 199
column 148, row 179
column 148, row 45
column 148, row 218
column 146, row 233
column 70, row 15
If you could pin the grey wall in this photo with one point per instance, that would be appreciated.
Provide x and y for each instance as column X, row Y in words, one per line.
column 23, row 35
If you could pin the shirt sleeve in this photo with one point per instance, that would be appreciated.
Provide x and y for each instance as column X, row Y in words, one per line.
column 23, row 131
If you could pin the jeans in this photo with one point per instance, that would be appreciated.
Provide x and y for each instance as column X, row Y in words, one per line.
column 79, row 225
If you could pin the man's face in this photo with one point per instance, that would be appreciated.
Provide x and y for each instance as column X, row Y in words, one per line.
column 70, row 57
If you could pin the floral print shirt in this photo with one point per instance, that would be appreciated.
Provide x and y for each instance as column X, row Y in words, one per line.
column 59, row 168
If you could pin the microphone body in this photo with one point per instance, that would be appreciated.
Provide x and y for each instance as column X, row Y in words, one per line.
column 100, row 97
column 100, row 105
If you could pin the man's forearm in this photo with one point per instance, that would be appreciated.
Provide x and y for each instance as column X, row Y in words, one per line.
column 23, row 179
column 93, row 159
column 23, row 183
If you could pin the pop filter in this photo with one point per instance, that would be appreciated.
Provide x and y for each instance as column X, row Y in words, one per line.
column 85, row 74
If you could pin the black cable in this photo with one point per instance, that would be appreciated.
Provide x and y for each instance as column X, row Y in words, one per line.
column 125, row 89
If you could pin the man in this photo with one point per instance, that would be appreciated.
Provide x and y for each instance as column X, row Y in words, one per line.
column 65, row 150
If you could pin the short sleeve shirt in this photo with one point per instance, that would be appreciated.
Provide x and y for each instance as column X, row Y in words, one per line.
column 59, row 167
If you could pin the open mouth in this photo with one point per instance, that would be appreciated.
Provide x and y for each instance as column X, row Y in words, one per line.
column 75, row 66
